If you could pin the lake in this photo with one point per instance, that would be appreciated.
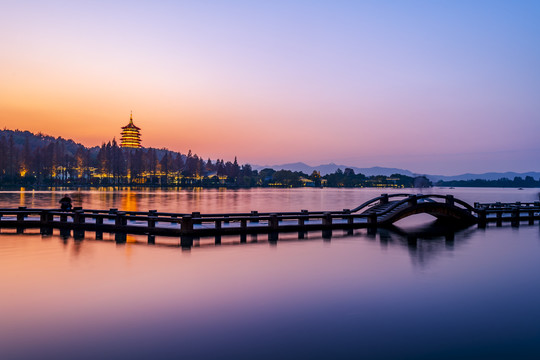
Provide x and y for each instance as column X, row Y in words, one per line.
column 385, row 295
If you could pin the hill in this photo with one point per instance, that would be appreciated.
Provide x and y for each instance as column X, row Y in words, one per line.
column 330, row 168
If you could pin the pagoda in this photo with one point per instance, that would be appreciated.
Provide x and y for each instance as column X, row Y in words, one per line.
column 131, row 135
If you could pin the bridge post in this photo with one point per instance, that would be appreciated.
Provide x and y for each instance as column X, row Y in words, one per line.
column 120, row 219
column 515, row 217
column 243, row 234
column 273, row 237
column 413, row 200
column 21, row 215
column 384, row 199
column 499, row 218
column 196, row 216
column 327, row 234
column 151, row 221
column 78, row 234
column 327, row 220
column 120, row 237
column 78, row 217
column 450, row 200
column 78, row 221
column 254, row 217
column 347, row 213
column 45, row 219
column 302, row 218
column 327, row 226
column 273, row 222
column 65, row 233
column 482, row 218
column 372, row 220
column 20, row 220
column 217, row 237
column 531, row 217
column 99, row 224
column 152, row 214
column 186, row 226
column 186, row 241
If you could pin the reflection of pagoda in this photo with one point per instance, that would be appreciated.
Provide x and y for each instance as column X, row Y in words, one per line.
column 131, row 135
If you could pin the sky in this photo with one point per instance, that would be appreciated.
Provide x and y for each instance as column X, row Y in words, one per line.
column 438, row 87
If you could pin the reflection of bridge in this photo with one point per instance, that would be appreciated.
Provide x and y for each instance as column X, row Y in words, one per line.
column 381, row 211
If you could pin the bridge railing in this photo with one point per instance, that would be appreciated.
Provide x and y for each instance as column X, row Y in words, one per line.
column 450, row 199
column 114, row 220
column 383, row 197
column 396, row 204
column 79, row 215
column 500, row 205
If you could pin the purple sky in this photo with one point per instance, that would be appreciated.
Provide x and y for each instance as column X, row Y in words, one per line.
column 432, row 86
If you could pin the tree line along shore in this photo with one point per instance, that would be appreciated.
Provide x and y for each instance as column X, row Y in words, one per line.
column 37, row 160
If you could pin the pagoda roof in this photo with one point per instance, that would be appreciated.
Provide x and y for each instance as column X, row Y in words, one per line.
column 131, row 126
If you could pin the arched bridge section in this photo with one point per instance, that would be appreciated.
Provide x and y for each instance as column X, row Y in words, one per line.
column 387, row 209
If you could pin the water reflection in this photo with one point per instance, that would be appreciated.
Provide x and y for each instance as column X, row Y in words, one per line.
column 425, row 244
column 296, row 298
column 239, row 200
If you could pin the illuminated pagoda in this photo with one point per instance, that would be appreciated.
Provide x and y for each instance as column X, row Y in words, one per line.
column 131, row 135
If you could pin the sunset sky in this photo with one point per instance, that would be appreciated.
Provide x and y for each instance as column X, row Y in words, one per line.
column 440, row 87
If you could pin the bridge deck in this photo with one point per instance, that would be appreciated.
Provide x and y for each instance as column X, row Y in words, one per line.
column 380, row 211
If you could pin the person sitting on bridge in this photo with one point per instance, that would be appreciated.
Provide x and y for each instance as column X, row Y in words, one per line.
column 65, row 203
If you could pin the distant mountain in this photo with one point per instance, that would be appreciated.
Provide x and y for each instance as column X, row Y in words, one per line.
column 377, row 170
column 331, row 168
column 484, row 176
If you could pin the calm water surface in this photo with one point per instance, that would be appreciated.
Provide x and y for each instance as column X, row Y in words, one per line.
column 474, row 295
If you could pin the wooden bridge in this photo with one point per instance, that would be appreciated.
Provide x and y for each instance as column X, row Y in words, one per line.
column 378, row 212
